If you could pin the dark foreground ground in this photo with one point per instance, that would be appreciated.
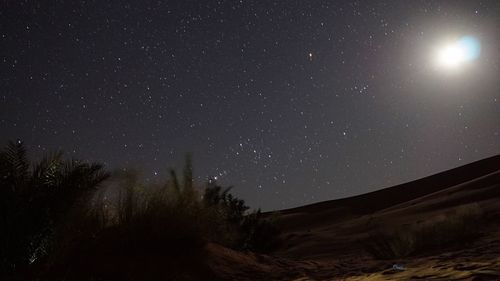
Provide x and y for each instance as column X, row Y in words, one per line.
column 443, row 227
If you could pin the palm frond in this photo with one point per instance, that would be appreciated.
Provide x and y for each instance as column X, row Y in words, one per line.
column 14, row 167
column 45, row 172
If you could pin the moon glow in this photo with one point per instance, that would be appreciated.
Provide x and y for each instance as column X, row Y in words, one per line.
column 455, row 54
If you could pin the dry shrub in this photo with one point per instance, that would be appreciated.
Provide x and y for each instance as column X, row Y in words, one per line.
column 158, row 231
column 140, row 232
column 458, row 227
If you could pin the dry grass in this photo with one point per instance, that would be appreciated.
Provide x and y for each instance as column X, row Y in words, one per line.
column 460, row 226
column 158, row 230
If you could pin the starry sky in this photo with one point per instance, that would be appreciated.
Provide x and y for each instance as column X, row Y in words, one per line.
column 292, row 102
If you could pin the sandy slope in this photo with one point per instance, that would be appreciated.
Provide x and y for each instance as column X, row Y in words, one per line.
column 321, row 241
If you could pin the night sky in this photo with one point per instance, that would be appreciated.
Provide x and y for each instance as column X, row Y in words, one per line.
column 292, row 102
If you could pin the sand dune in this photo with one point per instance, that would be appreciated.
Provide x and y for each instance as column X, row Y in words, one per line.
column 322, row 241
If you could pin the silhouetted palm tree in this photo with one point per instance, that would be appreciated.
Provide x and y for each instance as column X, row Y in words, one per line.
column 34, row 199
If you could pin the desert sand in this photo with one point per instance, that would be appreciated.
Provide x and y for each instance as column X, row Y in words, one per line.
column 323, row 241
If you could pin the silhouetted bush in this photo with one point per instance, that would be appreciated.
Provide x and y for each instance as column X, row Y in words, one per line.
column 161, row 214
column 250, row 231
column 158, row 230
column 259, row 233
column 448, row 230
column 176, row 211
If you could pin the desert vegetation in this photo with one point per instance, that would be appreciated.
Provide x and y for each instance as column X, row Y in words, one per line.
column 59, row 214
column 72, row 220
column 460, row 226
column 36, row 202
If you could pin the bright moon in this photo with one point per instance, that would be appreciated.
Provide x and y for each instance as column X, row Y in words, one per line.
column 456, row 54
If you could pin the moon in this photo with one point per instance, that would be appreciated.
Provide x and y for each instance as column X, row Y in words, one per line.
column 457, row 53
